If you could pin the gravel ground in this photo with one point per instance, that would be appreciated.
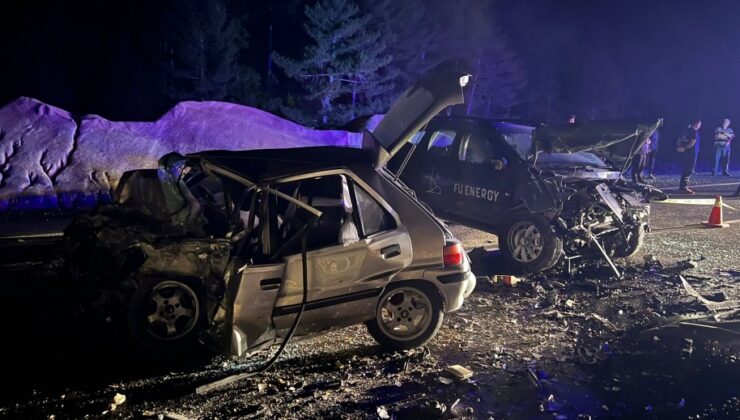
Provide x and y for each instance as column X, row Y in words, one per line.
column 553, row 346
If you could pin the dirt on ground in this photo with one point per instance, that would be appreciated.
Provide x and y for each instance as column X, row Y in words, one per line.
column 570, row 345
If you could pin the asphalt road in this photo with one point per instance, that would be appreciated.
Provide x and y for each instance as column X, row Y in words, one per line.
column 566, row 345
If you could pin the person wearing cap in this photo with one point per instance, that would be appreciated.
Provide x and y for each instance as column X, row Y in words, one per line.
column 688, row 149
column 723, row 136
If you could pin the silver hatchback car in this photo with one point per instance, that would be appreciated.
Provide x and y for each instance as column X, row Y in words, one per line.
column 249, row 249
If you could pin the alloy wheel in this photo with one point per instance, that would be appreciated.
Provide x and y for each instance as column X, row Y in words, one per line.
column 173, row 310
column 405, row 313
column 525, row 241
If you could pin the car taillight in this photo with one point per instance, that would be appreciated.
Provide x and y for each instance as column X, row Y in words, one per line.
column 452, row 254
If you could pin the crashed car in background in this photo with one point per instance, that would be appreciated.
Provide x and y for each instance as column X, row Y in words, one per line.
column 547, row 191
column 247, row 249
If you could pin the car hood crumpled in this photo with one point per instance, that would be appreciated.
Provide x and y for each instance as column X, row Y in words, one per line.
column 615, row 140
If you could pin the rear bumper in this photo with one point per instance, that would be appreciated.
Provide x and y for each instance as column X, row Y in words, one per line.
column 454, row 286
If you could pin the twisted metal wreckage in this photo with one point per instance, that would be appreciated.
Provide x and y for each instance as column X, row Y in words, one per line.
column 243, row 250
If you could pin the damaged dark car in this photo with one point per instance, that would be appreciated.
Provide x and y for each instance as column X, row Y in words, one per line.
column 243, row 250
column 550, row 193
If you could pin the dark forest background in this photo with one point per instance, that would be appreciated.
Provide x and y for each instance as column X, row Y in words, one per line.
column 323, row 62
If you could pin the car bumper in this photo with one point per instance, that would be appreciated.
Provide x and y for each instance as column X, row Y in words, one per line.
column 453, row 286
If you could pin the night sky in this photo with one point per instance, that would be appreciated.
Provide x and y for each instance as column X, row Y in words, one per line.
column 676, row 59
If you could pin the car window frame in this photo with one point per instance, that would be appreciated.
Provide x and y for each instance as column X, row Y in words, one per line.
column 426, row 143
column 497, row 142
column 358, row 216
column 352, row 178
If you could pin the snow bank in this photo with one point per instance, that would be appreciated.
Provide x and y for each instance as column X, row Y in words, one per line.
column 49, row 160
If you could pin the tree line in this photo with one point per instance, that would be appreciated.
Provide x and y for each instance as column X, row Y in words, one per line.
column 336, row 59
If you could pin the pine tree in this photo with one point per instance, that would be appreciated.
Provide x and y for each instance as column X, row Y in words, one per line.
column 498, row 74
column 341, row 70
column 410, row 35
column 499, row 78
column 203, row 46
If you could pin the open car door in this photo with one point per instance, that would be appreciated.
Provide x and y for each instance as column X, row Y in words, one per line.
column 354, row 250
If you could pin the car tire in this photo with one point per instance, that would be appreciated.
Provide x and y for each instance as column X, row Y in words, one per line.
column 408, row 315
column 529, row 242
column 166, row 315
column 620, row 250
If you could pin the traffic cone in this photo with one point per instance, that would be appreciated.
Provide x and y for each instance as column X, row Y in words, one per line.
column 715, row 217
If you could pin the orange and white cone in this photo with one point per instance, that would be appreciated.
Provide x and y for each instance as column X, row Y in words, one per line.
column 715, row 217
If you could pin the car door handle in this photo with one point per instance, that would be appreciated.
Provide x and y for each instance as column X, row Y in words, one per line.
column 390, row 251
column 271, row 284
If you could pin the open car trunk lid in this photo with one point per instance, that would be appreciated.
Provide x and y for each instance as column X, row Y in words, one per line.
column 439, row 89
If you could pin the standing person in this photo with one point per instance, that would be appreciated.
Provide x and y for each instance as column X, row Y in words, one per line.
column 650, row 158
column 688, row 149
column 638, row 162
column 723, row 136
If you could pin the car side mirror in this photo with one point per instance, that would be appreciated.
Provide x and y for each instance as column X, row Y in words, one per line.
column 498, row 164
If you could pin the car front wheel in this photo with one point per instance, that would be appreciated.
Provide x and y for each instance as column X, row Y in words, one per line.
column 408, row 315
column 622, row 248
column 166, row 315
column 529, row 242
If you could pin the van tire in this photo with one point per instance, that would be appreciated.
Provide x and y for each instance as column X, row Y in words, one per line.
column 529, row 242
column 619, row 250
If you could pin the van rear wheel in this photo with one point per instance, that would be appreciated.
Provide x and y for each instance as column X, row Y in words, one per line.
column 408, row 315
column 529, row 243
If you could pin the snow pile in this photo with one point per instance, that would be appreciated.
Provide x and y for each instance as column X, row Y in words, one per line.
column 49, row 160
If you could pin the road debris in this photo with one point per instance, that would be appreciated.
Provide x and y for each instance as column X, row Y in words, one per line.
column 118, row 400
column 459, row 372
column 586, row 340
column 507, row 280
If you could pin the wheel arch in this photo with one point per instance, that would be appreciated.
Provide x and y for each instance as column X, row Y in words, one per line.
column 417, row 282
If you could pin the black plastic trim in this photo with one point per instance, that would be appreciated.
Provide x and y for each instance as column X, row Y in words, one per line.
column 322, row 303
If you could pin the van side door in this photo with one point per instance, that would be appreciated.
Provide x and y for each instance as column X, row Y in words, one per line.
column 487, row 177
column 432, row 170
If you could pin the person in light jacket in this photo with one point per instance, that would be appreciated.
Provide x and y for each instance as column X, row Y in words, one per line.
column 650, row 158
column 723, row 137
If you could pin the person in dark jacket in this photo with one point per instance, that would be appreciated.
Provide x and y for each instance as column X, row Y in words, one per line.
column 688, row 149
column 650, row 158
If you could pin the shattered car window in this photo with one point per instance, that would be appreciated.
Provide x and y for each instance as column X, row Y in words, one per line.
column 326, row 194
column 373, row 217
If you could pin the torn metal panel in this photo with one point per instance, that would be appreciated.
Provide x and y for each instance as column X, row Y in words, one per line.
column 615, row 137
column 710, row 304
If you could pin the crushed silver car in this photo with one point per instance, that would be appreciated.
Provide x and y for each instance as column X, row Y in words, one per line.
column 244, row 250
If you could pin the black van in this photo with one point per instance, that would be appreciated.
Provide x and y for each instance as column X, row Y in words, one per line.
column 546, row 191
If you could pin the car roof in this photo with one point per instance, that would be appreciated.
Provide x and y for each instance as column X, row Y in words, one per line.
column 265, row 164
